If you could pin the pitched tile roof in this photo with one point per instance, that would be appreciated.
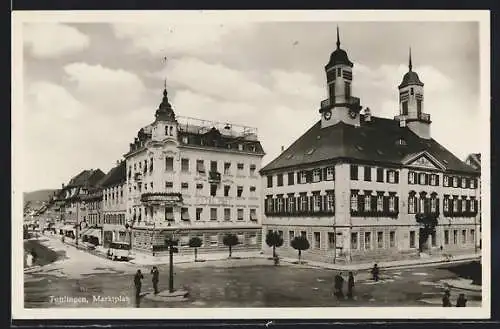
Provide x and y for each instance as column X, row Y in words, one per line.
column 375, row 141
column 115, row 176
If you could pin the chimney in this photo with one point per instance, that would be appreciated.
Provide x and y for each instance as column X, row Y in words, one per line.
column 282, row 149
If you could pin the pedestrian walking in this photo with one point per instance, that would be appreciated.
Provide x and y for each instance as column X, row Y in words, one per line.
column 461, row 300
column 350, row 285
column 29, row 260
column 375, row 272
column 155, row 279
column 138, row 284
column 446, row 299
column 34, row 256
column 339, row 283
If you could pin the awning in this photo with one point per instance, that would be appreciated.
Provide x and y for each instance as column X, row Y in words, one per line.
column 93, row 232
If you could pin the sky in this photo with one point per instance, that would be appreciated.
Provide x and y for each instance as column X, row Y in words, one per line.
column 89, row 87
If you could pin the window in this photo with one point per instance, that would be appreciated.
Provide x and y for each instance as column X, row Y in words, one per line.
column 240, row 167
column 472, row 235
column 354, row 240
column 405, row 107
column 169, row 186
column 269, row 181
column 380, row 239
column 227, row 168
column 240, row 147
column 252, row 169
column 303, row 203
column 213, row 213
column 330, row 202
column 464, row 205
column 199, row 189
column 471, row 183
column 317, row 240
column 214, row 240
column 291, row 204
column 226, row 190
column 253, row 215
column 169, row 164
column 239, row 191
column 354, row 172
column 184, row 186
column 303, row 177
column 455, row 205
column 464, row 183
column 354, row 202
column 472, row 205
column 421, row 179
column 446, row 204
column 198, row 213
column 290, row 178
column 316, row 175
column 280, row 179
column 412, row 239
column 455, row 235
column 200, row 166
column 392, row 203
column 433, row 205
column 368, row 174
column 368, row 240
column 185, row 139
column 455, row 181
column 279, row 203
column 433, row 180
column 411, row 177
column 446, row 237
column 227, row 214
column 433, row 238
column 391, row 177
column 303, row 234
column 317, row 202
column 339, row 72
column 291, row 236
column 380, row 175
column 253, row 190
column 169, row 213
column 213, row 166
column 411, row 91
column 412, row 204
column 380, row 203
column 213, row 189
column 419, row 106
column 330, row 173
column 347, row 89
column 331, row 240
column 392, row 239
column 368, row 202
column 464, row 236
column 185, row 214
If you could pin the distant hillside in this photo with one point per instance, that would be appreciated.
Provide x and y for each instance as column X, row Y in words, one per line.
column 38, row 196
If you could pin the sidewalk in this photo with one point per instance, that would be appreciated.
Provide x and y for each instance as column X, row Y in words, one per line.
column 147, row 260
column 428, row 261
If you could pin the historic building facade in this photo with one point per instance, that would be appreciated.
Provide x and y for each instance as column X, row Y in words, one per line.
column 114, row 205
column 361, row 187
column 191, row 177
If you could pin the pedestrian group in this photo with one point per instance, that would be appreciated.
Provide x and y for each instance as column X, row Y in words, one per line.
column 138, row 283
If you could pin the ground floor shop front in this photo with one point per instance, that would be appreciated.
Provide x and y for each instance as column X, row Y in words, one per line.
column 152, row 240
column 341, row 244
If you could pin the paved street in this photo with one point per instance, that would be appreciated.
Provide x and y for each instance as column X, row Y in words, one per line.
column 232, row 283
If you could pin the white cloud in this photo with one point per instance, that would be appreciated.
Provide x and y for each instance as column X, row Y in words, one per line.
column 170, row 39
column 50, row 40
column 298, row 85
column 107, row 89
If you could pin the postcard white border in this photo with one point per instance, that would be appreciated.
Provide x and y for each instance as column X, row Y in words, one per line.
column 18, row 310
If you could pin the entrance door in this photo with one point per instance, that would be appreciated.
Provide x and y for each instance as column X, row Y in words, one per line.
column 108, row 238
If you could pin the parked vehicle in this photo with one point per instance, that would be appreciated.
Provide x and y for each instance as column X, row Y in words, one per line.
column 119, row 250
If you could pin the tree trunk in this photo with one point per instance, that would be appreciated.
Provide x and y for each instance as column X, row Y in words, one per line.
column 195, row 254
column 299, row 255
column 274, row 251
column 230, row 251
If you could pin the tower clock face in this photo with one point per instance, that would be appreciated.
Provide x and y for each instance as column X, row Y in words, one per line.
column 327, row 115
column 352, row 114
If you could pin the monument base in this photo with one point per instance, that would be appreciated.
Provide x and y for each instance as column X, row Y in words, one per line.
column 179, row 295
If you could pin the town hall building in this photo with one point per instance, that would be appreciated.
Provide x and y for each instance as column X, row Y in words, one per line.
column 361, row 187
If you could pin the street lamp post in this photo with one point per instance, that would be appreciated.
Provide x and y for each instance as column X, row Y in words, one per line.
column 172, row 244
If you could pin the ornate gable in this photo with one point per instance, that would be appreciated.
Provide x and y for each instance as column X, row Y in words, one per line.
column 423, row 160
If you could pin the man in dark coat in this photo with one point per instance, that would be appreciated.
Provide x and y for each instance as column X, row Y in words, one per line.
column 138, row 284
column 155, row 279
column 461, row 300
column 350, row 285
column 339, row 283
column 375, row 272
column 446, row 299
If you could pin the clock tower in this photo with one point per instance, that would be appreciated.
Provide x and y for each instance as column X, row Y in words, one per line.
column 340, row 104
